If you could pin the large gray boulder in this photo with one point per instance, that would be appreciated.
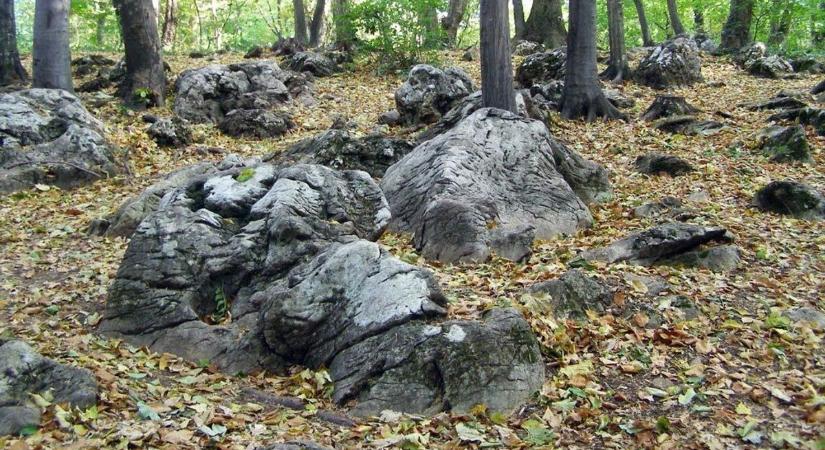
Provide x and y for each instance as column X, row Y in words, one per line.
column 572, row 295
column 791, row 198
column 773, row 66
column 262, row 268
column 430, row 92
column 256, row 123
column 672, row 64
column 208, row 93
column 542, row 68
column 493, row 177
column 25, row 372
column 170, row 132
column 785, row 144
column 315, row 63
column 48, row 137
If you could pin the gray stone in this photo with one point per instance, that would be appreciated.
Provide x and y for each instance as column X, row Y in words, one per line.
column 785, row 144
column 723, row 258
column 493, row 171
column 256, row 123
column 659, row 207
column 688, row 125
column 170, row 132
column 525, row 48
column 618, row 99
column 657, row 244
column 754, row 51
column 672, row 64
column 572, row 295
column 653, row 285
column 48, row 137
column 773, row 66
column 814, row 117
column 791, row 198
column 542, row 68
column 89, row 64
column 317, row 64
column 25, row 372
column 207, row 94
column 462, row 109
column 812, row 317
column 658, row 163
column 471, row 54
column 429, row 92
column 667, row 106
column 808, row 64
column 392, row 117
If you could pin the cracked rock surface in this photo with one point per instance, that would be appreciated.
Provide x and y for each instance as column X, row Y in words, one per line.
column 263, row 267
column 429, row 92
column 671, row 64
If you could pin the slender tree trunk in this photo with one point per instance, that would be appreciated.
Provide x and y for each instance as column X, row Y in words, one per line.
column 344, row 31
column 300, row 21
column 780, row 27
column 50, row 53
column 818, row 26
column 546, row 24
column 496, row 66
column 675, row 21
column 451, row 23
column 145, row 82
column 582, row 95
column 170, row 23
column 217, row 30
column 640, row 10
column 429, row 20
column 317, row 25
column 518, row 18
column 617, row 69
column 698, row 21
column 100, row 30
column 11, row 70
column 736, row 33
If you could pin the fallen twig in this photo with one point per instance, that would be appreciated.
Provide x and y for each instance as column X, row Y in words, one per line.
column 297, row 404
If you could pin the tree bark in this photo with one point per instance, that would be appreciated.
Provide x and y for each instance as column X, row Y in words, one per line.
column 51, row 59
column 317, row 25
column 518, row 18
column 451, row 23
column 779, row 26
column 300, row 21
column 546, row 24
column 11, row 70
column 582, row 95
column 736, row 33
column 496, row 63
column 170, row 23
column 145, row 82
column 698, row 20
column 817, row 26
column 675, row 20
column 344, row 31
column 640, row 10
column 617, row 69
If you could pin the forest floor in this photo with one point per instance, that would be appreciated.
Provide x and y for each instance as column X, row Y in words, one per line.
column 737, row 375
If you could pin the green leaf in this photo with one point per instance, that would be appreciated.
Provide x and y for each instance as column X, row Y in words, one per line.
column 28, row 430
column 245, row 175
column 468, row 434
column 662, row 425
column 146, row 412
column 687, row 396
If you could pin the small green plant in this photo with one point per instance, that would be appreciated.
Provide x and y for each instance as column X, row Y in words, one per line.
column 143, row 96
column 245, row 175
column 221, row 312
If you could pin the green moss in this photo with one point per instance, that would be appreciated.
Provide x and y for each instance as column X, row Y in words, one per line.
column 245, row 175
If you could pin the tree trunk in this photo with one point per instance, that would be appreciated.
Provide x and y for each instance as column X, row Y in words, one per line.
column 145, row 82
column 429, row 20
column 736, row 33
column 170, row 23
column 518, row 18
column 640, row 10
column 546, row 24
column 496, row 66
column 344, row 31
column 100, row 30
column 675, row 21
column 818, row 26
column 617, row 69
column 780, row 27
column 698, row 21
column 451, row 23
column 582, row 95
column 10, row 68
column 317, row 25
column 300, row 21
column 51, row 59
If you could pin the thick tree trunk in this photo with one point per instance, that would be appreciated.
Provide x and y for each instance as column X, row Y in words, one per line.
column 317, row 25
column 675, row 21
column 546, row 24
column 11, row 70
column 518, row 18
column 617, row 69
column 451, row 23
column 582, row 95
column 344, row 31
column 170, row 23
column 736, row 33
column 300, row 21
column 779, row 27
column 640, row 10
column 51, row 59
column 145, row 82
column 496, row 64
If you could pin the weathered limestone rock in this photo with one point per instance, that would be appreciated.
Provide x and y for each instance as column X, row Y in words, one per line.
column 525, row 48
column 723, row 258
column 256, row 123
column 814, row 117
column 542, row 68
column 493, row 172
column 666, row 207
column 25, row 372
column 89, row 64
column 572, row 295
column 668, row 105
column 671, row 64
column 208, row 93
column 429, row 92
column 317, row 64
column 170, row 132
column 773, row 66
column 658, row 163
column 785, row 144
column 791, row 198
column 688, row 125
column 48, row 137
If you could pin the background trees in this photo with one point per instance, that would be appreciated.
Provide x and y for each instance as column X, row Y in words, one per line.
column 145, row 83
column 496, row 66
column 51, row 60
column 10, row 68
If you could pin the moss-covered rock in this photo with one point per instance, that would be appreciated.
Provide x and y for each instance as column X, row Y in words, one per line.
column 785, row 144
column 791, row 198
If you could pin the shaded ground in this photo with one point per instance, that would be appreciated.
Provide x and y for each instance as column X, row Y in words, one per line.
column 737, row 375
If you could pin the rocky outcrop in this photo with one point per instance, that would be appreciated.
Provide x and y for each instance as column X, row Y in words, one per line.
column 25, row 373
column 338, row 149
column 429, row 92
column 209, row 93
column 672, row 64
column 791, row 198
column 89, row 64
column 813, row 117
column 170, row 132
column 773, row 66
column 667, row 106
column 542, row 68
column 785, row 144
column 658, row 163
column 495, row 176
column 264, row 268
column 317, row 64
column 688, row 125
column 48, row 137
column 525, row 48
column 572, row 295
column 256, row 123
